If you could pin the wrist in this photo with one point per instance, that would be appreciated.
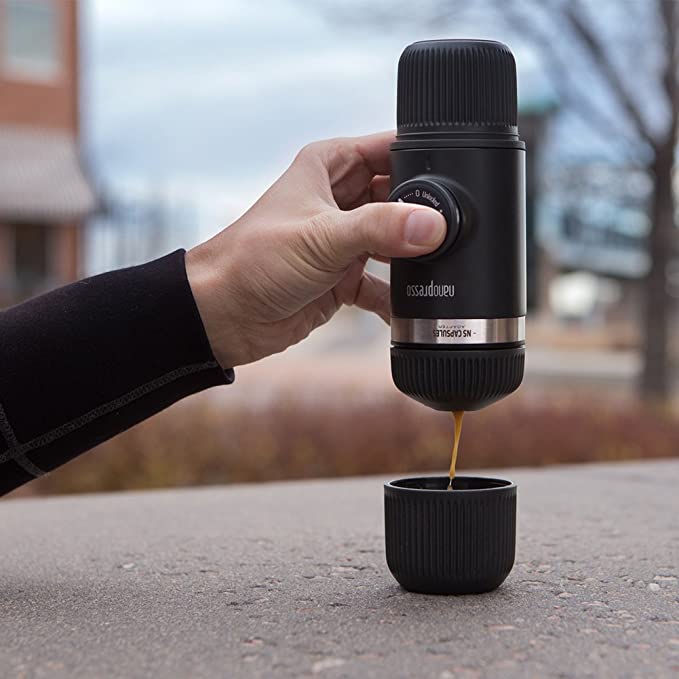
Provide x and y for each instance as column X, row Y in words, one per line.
column 206, row 275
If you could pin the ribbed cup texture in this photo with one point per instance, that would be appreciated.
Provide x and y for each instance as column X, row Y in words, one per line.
column 457, row 85
column 450, row 542
column 457, row 379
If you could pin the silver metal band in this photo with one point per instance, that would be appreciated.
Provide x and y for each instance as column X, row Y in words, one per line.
column 458, row 330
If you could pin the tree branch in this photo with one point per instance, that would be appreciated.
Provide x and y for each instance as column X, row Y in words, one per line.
column 525, row 26
column 600, row 57
column 667, row 10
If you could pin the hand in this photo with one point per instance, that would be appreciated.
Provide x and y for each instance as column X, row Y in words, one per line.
column 294, row 258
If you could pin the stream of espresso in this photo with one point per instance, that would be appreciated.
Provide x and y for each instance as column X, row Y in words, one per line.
column 457, row 415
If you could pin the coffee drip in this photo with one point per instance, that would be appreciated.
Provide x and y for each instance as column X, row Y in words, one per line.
column 457, row 416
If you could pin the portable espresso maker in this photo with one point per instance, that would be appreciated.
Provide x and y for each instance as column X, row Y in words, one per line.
column 458, row 314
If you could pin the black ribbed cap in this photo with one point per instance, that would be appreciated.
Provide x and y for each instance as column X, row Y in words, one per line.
column 457, row 86
column 460, row 379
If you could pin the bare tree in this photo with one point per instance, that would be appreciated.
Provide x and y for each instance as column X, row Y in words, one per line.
column 606, row 61
column 624, row 114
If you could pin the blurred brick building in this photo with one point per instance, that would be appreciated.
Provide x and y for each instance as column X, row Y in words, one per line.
column 44, row 193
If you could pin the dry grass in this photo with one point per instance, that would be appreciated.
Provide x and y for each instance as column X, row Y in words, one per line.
column 202, row 441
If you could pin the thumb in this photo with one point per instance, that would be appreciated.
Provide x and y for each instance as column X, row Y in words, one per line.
column 387, row 229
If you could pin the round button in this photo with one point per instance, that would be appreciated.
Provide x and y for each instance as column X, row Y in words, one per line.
column 435, row 195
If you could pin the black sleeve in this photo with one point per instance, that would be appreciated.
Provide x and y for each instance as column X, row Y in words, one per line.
column 89, row 360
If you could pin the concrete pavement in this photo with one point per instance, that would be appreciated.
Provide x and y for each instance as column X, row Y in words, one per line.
column 289, row 579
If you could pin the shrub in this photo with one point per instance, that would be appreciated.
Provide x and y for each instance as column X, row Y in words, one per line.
column 205, row 441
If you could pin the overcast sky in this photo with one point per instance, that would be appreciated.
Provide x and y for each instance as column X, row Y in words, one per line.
column 209, row 100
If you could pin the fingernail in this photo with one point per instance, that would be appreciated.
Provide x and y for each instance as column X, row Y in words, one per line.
column 424, row 227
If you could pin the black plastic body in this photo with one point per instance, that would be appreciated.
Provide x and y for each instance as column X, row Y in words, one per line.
column 487, row 263
column 459, row 541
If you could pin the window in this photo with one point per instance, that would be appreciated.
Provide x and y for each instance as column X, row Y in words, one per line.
column 31, row 263
column 31, row 44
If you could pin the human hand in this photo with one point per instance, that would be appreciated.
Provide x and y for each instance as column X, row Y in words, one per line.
column 299, row 253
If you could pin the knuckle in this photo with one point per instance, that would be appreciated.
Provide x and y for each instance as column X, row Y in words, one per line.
column 341, row 149
column 335, row 152
column 376, row 230
column 311, row 151
column 343, row 155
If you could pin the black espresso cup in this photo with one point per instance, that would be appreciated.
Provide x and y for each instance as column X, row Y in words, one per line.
column 458, row 541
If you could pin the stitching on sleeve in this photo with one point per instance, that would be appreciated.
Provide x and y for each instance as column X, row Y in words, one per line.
column 13, row 445
column 18, row 450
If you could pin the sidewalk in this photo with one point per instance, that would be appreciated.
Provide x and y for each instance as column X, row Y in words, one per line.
column 289, row 579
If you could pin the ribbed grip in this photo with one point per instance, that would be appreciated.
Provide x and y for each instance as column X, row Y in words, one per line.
column 450, row 542
column 457, row 85
column 457, row 379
